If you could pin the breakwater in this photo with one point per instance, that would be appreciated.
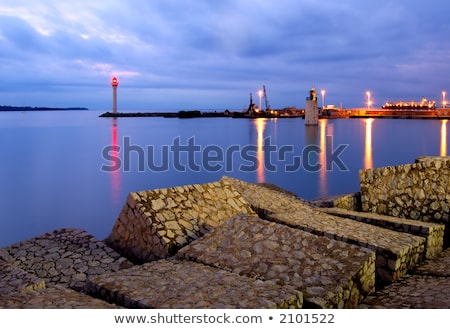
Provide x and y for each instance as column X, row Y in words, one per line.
column 231, row 244
column 439, row 114
column 288, row 113
column 179, row 114
column 420, row 190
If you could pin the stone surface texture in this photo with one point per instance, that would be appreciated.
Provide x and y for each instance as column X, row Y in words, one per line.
column 154, row 224
column 396, row 252
column 433, row 233
column 54, row 297
column 350, row 201
column 50, row 271
column 427, row 286
column 190, row 285
column 420, row 190
column 65, row 257
column 259, row 249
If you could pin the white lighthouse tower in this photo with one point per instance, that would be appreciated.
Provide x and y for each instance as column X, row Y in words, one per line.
column 114, row 84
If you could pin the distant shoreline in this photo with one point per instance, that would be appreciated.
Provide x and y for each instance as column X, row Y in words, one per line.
column 29, row 108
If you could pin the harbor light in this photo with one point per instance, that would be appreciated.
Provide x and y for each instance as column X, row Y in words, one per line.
column 323, row 98
column 260, row 95
column 114, row 84
column 369, row 101
column 444, row 101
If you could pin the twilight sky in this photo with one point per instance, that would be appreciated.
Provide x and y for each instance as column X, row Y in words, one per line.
column 204, row 54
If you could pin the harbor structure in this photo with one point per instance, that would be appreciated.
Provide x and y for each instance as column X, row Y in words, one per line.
column 312, row 110
column 424, row 104
column 114, row 84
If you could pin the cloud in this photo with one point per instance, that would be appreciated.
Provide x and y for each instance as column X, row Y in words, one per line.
column 184, row 50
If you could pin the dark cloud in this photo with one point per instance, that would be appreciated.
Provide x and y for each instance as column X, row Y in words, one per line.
column 183, row 53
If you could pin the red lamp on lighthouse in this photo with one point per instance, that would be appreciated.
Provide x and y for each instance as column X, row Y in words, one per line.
column 114, row 84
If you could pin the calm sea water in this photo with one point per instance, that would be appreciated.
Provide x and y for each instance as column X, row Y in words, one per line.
column 74, row 169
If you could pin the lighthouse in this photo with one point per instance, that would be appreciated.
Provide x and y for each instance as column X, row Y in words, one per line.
column 114, row 84
column 312, row 110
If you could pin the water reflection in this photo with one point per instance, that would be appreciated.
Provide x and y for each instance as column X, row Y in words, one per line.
column 323, row 157
column 311, row 135
column 316, row 155
column 444, row 138
column 115, row 175
column 368, row 161
column 260, row 125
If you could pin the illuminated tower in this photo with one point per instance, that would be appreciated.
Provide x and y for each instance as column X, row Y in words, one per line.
column 114, row 84
column 312, row 110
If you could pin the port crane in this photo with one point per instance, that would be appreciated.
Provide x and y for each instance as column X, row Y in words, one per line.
column 265, row 98
column 252, row 110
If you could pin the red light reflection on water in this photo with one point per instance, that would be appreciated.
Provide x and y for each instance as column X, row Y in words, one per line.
column 115, row 175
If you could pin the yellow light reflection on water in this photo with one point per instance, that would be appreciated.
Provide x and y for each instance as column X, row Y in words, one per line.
column 260, row 124
column 368, row 160
column 323, row 157
column 444, row 138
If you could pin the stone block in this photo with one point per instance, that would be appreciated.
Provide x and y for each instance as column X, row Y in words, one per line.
column 419, row 292
column 161, row 221
column 432, row 232
column 265, row 199
column 22, row 290
column 176, row 284
column 405, row 250
column 419, row 191
column 13, row 279
column 288, row 210
column 54, row 297
column 329, row 273
column 65, row 257
column 350, row 201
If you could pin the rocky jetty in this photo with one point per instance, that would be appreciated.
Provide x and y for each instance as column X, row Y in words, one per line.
column 419, row 191
column 235, row 244
column 155, row 224
column 266, row 250
column 50, row 271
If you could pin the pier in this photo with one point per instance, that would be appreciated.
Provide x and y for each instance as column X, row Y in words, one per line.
column 284, row 113
column 334, row 113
